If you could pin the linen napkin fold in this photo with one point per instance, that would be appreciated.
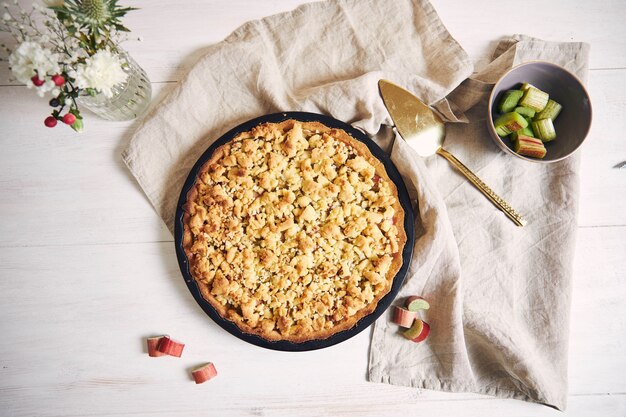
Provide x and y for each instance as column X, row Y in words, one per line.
column 327, row 57
column 500, row 295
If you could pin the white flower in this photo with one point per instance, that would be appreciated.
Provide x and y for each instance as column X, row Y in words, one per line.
column 54, row 3
column 30, row 59
column 102, row 71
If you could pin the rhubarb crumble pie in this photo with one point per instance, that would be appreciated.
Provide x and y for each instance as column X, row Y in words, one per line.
column 293, row 231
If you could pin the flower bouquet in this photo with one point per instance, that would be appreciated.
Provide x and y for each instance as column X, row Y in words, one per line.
column 68, row 49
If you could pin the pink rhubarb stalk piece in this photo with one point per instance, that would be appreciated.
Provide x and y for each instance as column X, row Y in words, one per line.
column 528, row 146
column 170, row 347
column 403, row 317
column 153, row 343
column 418, row 332
column 204, row 373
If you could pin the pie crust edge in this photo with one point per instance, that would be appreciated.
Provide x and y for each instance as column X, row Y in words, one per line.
column 345, row 324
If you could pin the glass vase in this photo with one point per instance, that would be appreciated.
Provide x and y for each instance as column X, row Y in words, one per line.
column 130, row 98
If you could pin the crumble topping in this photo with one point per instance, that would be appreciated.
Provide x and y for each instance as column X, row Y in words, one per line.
column 292, row 230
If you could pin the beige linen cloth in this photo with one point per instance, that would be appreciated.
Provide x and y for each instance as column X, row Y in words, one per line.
column 500, row 294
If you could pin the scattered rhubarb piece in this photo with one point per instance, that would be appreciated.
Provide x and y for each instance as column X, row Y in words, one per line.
column 424, row 334
column 153, row 343
column 418, row 332
column 416, row 303
column 403, row 317
column 204, row 373
column 415, row 330
column 170, row 347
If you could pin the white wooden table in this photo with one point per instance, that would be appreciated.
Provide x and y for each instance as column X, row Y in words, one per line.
column 87, row 269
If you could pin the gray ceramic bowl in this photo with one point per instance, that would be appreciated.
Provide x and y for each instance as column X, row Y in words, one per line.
column 572, row 124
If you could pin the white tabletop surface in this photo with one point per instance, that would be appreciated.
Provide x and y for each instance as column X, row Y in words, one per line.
column 87, row 269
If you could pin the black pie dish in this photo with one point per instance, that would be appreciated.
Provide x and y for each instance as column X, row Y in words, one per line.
column 362, row 324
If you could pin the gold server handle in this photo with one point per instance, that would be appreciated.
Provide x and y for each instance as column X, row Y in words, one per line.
column 478, row 183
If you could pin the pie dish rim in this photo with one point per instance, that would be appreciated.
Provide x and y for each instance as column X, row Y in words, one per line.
column 336, row 337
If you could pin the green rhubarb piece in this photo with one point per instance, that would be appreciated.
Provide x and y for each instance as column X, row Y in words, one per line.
column 525, row 111
column 535, row 99
column 509, row 123
column 509, row 100
column 527, row 131
column 415, row 330
column 416, row 303
column 544, row 129
column 526, row 86
column 551, row 111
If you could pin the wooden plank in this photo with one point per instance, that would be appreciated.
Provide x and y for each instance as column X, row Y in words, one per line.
column 602, row 186
column 135, row 401
column 478, row 26
column 598, row 322
column 74, row 319
column 60, row 187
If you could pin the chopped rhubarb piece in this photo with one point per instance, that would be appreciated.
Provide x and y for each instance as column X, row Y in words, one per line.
column 153, row 343
column 535, row 99
column 415, row 303
column 509, row 123
column 525, row 145
column 204, row 373
column 418, row 332
column 170, row 347
column 403, row 317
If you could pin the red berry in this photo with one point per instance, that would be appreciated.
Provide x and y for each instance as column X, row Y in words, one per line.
column 37, row 81
column 50, row 121
column 58, row 80
column 69, row 119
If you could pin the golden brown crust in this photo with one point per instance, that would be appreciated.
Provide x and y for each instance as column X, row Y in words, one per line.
column 244, row 268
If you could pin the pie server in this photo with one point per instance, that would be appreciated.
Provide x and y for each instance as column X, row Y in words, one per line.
column 424, row 130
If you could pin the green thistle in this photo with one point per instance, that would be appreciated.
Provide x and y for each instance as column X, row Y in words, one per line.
column 93, row 13
column 92, row 21
column 97, row 14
